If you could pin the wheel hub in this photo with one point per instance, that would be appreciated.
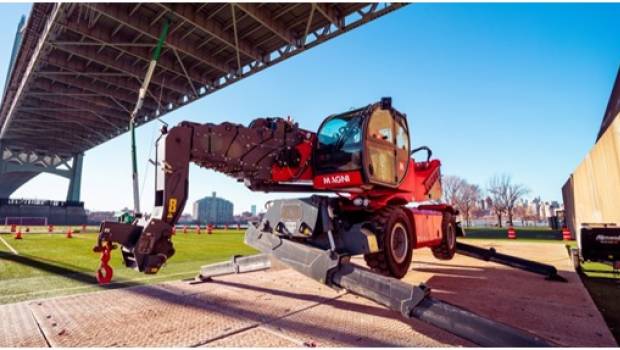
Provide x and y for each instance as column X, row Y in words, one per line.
column 399, row 242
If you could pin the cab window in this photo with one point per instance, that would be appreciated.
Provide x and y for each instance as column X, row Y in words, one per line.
column 380, row 126
column 340, row 144
column 380, row 145
column 402, row 148
column 402, row 138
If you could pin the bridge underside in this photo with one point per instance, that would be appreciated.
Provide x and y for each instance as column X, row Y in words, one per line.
column 79, row 66
column 19, row 167
column 14, row 180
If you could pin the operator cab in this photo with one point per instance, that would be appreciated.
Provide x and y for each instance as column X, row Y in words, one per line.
column 363, row 147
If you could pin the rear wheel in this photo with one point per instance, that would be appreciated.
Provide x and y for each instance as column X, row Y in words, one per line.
column 447, row 248
column 393, row 228
column 574, row 254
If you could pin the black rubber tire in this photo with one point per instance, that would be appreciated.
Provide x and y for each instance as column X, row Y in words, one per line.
column 447, row 248
column 574, row 254
column 384, row 262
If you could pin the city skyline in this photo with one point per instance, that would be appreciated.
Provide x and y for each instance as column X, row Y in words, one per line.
column 260, row 207
column 472, row 79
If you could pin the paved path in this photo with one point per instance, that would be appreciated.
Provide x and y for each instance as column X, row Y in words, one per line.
column 283, row 308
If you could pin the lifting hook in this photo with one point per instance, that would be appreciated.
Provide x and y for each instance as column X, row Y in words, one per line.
column 105, row 272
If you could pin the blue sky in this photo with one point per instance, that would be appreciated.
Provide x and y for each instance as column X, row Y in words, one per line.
column 491, row 88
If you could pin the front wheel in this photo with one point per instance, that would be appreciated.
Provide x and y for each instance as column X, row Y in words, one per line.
column 395, row 232
column 447, row 248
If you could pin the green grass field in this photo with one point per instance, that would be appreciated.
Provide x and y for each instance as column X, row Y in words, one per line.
column 52, row 265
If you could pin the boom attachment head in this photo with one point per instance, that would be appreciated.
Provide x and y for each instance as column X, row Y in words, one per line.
column 145, row 250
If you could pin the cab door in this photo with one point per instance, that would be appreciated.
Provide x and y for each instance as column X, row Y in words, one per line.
column 381, row 160
column 387, row 155
column 403, row 153
column 387, row 148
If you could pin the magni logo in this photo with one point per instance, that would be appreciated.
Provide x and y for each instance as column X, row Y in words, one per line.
column 336, row 179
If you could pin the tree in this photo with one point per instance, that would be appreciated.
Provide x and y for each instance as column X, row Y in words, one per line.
column 497, row 188
column 461, row 195
column 452, row 187
column 505, row 195
column 469, row 196
column 513, row 194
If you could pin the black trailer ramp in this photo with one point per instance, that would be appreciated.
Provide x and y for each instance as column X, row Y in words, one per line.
column 415, row 302
column 549, row 271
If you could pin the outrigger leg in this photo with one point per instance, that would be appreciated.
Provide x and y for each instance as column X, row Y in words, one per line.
column 549, row 271
column 336, row 271
column 237, row 264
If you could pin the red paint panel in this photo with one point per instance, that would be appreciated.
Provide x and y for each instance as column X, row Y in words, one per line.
column 427, row 227
column 338, row 180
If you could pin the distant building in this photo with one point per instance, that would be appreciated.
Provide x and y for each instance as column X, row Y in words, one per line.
column 96, row 217
column 186, row 219
column 213, row 210
column 247, row 217
column 253, row 209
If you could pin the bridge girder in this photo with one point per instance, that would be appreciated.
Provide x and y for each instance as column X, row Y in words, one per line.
column 19, row 166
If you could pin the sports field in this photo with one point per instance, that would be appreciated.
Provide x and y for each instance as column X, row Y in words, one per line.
column 51, row 264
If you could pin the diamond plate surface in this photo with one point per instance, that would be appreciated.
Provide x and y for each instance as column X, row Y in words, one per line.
column 561, row 312
column 352, row 321
column 18, row 327
column 175, row 314
column 143, row 316
column 257, row 338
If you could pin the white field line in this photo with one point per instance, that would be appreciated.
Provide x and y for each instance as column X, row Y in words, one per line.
column 9, row 246
column 90, row 286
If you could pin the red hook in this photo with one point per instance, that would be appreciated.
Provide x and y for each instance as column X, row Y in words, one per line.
column 105, row 272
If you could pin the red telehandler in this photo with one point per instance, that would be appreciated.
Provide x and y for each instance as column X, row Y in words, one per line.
column 364, row 157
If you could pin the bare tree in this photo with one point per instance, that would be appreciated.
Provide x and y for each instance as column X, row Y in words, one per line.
column 505, row 195
column 452, row 187
column 469, row 196
column 513, row 194
column 461, row 195
column 497, row 188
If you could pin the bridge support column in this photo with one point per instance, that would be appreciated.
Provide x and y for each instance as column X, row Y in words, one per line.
column 19, row 166
column 75, row 179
